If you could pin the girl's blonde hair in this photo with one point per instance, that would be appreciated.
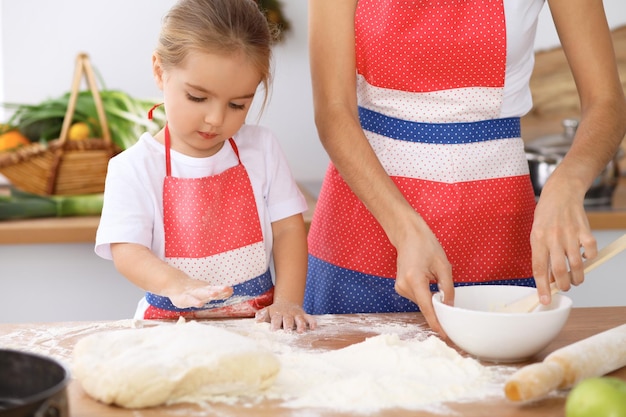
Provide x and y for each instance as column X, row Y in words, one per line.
column 217, row 27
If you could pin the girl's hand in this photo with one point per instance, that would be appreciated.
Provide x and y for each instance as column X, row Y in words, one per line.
column 287, row 315
column 144, row 269
column 196, row 293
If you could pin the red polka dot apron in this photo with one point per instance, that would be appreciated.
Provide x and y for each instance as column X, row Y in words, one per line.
column 213, row 233
column 430, row 82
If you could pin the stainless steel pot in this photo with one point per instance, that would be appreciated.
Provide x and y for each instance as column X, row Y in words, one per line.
column 545, row 153
column 32, row 386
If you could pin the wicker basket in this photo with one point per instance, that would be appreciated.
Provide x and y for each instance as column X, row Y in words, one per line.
column 62, row 166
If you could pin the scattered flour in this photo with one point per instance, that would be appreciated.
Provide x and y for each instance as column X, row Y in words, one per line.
column 384, row 372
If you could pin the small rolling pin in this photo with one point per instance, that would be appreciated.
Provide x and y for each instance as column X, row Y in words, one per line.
column 594, row 356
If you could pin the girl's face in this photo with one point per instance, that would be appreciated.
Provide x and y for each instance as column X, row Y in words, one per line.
column 207, row 99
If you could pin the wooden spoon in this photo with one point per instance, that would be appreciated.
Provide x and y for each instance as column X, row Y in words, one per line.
column 528, row 303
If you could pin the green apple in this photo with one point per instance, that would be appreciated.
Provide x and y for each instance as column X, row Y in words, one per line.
column 597, row 397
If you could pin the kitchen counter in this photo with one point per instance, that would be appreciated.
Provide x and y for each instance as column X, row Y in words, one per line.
column 57, row 340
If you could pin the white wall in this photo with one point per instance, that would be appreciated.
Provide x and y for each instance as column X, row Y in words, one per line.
column 37, row 53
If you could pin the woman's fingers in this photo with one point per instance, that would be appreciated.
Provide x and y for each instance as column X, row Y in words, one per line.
column 417, row 289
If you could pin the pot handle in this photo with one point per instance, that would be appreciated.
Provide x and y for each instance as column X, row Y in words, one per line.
column 55, row 406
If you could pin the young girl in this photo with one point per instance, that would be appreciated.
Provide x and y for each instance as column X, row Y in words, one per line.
column 204, row 213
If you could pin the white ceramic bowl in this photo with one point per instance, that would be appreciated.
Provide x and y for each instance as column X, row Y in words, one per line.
column 474, row 327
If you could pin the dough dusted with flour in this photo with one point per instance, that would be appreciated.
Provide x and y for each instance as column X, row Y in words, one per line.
column 171, row 363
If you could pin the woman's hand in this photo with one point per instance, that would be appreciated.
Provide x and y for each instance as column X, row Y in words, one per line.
column 561, row 239
column 421, row 259
column 561, row 229
column 286, row 315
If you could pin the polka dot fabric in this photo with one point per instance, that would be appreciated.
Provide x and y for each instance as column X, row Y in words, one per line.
column 227, row 268
column 430, row 77
column 471, row 220
column 351, row 292
column 431, row 45
column 462, row 104
column 209, row 215
column 213, row 233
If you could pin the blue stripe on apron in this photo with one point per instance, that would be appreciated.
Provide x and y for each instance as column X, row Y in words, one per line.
column 249, row 289
column 439, row 133
column 343, row 291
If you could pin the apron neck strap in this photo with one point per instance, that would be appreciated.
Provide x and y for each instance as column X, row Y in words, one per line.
column 235, row 149
column 168, row 145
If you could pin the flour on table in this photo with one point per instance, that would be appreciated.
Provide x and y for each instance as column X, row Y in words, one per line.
column 398, row 365
column 167, row 364
column 384, row 372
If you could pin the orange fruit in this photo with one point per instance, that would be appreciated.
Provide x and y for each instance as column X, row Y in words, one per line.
column 12, row 139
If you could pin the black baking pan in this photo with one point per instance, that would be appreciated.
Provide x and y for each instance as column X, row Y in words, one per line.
column 32, row 385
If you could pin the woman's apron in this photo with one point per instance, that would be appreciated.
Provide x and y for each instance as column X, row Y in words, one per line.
column 213, row 234
column 430, row 81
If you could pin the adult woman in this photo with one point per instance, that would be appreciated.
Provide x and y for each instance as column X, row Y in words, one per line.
column 428, row 177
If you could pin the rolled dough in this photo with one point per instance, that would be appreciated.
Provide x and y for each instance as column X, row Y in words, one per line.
column 171, row 363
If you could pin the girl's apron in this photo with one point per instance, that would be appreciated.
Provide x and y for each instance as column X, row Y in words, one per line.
column 430, row 82
column 213, row 233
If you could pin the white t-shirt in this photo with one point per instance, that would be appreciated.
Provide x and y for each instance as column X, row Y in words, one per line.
column 521, row 17
column 133, row 195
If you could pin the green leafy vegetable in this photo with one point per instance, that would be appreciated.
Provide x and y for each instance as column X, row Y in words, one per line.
column 127, row 117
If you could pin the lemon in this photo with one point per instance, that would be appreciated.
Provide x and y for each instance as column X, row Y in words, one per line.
column 78, row 131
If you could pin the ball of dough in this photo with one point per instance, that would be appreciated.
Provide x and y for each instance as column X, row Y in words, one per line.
column 171, row 363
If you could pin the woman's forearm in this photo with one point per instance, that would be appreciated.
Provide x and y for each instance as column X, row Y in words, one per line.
column 332, row 50
column 587, row 44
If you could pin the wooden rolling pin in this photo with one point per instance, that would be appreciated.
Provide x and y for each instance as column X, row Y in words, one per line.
column 594, row 356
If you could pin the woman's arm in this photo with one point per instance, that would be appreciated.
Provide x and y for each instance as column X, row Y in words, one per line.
column 290, row 266
column 561, row 227
column 333, row 72
column 141, row 267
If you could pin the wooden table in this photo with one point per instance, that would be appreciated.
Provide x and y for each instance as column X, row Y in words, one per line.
column 582, row 323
